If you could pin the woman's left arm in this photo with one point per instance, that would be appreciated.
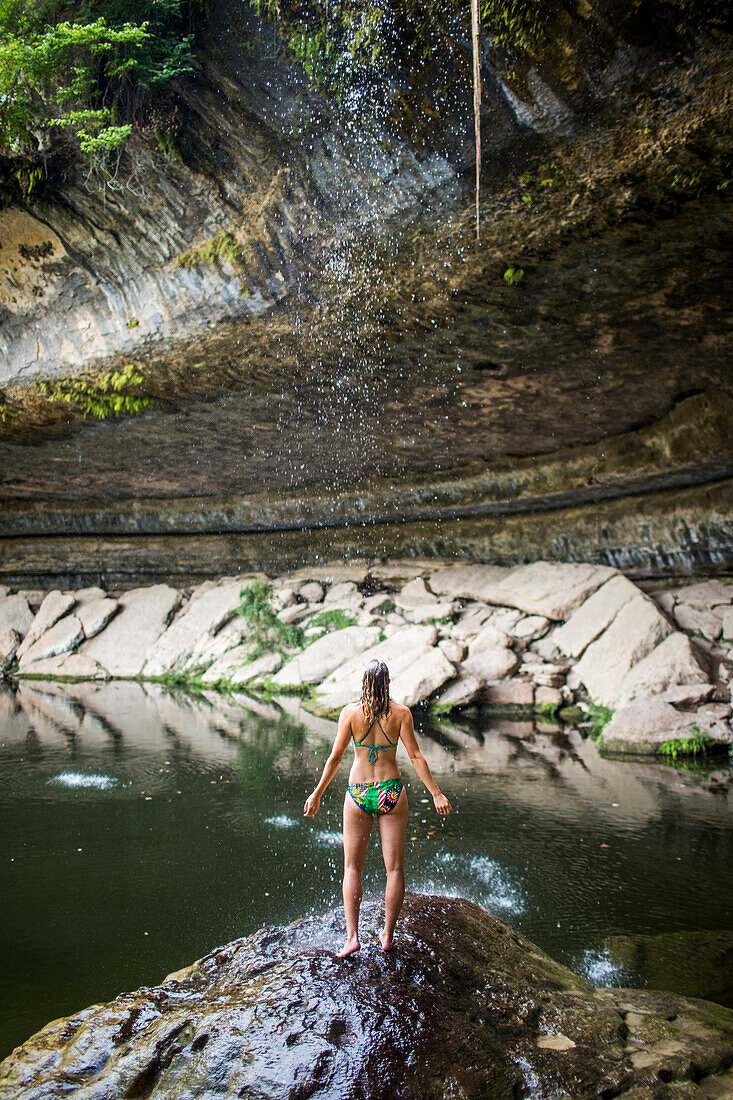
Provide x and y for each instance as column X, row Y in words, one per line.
column 331, row 766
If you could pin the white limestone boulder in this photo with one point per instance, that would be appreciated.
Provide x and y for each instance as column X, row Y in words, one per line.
column 144, row 614
column 726, row 625
column 407, row 646
column 310, row 591
column 644, row 725
column 594, row 616
column 87, row 595
column 505, row 618
column 414, row 594
column 465, row 690
column 635, row 631
column 63, row 637
column 510, row 693
column 706, row 594
column 294, row 613
column 697, row 621
column 323, row 656
column 688, row 695
column 200, row 617
column 530, row 628
column 237, row 667
column 454, row 649
column 95, row 614
column 344, row 592
column 210, row 647
column 472, row 621
column 665, row 600
column 489, row 656
column 468, row 581
column 15, row 614
column 548, row 697
column 422, row 677
column 74, row 665
column 9, row 642
column 55, row 605
column 552, row 589
column 33, row 596
column 429, row 613
column 674, row 661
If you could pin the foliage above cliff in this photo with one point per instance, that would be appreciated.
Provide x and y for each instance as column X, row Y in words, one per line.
column 74, row 78
column 77, row 77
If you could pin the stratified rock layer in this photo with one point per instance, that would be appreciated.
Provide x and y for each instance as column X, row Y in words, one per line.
column 463, row 1006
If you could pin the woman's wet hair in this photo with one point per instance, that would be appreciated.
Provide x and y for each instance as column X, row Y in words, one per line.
column 375, row 691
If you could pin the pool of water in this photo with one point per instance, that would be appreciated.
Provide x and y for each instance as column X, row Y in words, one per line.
column 141, row 828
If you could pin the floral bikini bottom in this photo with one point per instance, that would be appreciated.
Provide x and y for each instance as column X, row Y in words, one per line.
column 376, row 798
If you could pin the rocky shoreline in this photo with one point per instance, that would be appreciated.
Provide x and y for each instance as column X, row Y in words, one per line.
column 464, row 1006
column 581, row 641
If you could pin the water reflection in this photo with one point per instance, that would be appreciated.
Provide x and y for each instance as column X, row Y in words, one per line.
column 143, row 827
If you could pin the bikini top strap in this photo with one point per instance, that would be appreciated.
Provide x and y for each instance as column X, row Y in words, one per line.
column 360, row 743
column 392, row 743
column 374, row 746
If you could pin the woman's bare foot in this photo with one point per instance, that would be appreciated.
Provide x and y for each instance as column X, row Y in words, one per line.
column 385, row 940
column 352, row 944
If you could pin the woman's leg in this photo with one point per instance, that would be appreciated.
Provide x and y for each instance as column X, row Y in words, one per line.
column 392, row 828
column 357, row 827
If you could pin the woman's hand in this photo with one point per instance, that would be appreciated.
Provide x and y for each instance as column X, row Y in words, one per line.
column 442, row 805
column 312, row 804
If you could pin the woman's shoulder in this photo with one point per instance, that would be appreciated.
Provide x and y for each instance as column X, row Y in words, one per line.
column 398, row 709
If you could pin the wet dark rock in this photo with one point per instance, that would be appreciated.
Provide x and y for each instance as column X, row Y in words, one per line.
column 464, row 1006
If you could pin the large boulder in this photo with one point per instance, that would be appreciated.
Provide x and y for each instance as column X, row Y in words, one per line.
column 408, row 646
column 326, row 654
column 63, row 637
column 463, row 1007
column 54, row 606
column 645, row 725
column 122, row 646
column 201, row 617
column 420, row 679
column 593, row 616
column 489, row 656
column 637, row 628
column 15, row 614
column 552, row 589
column 237, row 667
column 467, row 581
column 706, row 594
column 674, row 661
column 9, row 642
column 94, row 614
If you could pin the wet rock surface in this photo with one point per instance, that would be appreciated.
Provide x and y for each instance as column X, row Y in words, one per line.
column 463, row 1005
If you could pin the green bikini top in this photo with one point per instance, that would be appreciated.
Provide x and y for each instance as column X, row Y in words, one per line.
column 374, row 748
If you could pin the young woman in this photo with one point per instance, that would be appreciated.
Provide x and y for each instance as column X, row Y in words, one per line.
column 375, row 725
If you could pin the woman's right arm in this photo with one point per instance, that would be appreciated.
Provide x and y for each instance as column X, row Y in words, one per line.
column 331, row 766
column 420, row 764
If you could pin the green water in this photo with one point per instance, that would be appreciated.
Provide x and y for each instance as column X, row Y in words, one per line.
column 142, row 828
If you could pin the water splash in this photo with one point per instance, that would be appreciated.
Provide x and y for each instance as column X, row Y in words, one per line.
column 81, row 779
column 329, row 837
column 281, row 821
column 600, row 968
column 482, row 879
